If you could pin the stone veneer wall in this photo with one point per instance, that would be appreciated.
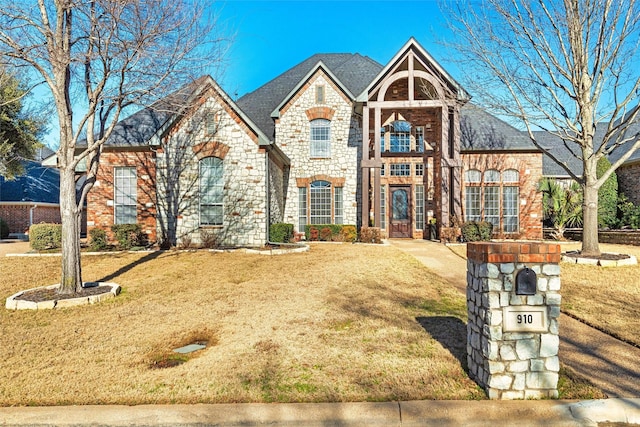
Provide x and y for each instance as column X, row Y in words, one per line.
column 293, row 138
column 244, row 222
column 512, row 365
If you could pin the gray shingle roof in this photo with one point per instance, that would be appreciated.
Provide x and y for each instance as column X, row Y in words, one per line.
column 354, row 71
column 632, row 131
column 481, row 131
column 554, row 144
column 37, row 184
column 137, row 129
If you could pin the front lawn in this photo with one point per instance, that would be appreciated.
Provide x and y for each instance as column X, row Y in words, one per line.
column 339, row 323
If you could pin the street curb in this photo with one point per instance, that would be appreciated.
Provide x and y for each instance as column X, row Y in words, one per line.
column 411, row 413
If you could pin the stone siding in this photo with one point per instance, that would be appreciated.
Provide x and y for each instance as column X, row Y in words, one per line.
column 293, row 138
column 100, row 200
column 244, row 222
column 512, row 365
column 529, row 166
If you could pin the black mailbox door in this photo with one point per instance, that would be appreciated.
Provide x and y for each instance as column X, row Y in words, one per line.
column 526, row 282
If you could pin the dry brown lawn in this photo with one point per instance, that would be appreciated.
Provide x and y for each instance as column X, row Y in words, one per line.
column 607, row 298
column 339, row 323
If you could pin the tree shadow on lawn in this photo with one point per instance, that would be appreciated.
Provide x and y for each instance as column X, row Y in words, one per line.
column 449, row 331
column 149, row 257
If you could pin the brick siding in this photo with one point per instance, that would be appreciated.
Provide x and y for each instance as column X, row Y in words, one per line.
column 17, row 216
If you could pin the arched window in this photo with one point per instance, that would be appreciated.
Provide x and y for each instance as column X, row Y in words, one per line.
column 211, row 191
column 472, row 176
column 510, row 175
column 320, row 138
column 491, row 175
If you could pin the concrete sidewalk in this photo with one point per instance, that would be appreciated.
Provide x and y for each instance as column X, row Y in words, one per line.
column 416, row 413
column 610, row 364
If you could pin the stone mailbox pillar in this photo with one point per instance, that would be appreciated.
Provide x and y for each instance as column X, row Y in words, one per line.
column 513, row 305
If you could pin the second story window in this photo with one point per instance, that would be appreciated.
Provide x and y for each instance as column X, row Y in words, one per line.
column 400, row 138
column 320, row 138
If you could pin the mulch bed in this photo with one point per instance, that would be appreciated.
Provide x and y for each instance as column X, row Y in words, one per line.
column 603, row 256
column 40, row 295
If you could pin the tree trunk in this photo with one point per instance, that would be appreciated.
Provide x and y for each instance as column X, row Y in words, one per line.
column 70, row 213
column 590, row 244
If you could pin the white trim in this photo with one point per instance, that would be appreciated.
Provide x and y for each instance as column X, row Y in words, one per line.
column 39, row 204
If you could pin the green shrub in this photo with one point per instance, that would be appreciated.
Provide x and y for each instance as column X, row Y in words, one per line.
column 370, row 235
column 485, row 228
column 128, row 235
column 628, row 214
column 607, row 196
column 470, row 231
column 473, row 231
column 281, row 232
column 4, row 229
column 45, row 236
column 99, row 240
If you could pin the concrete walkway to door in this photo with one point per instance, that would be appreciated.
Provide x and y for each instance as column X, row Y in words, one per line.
column 610, row 364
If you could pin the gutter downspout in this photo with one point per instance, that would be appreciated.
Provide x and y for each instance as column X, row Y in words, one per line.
column 33, row 208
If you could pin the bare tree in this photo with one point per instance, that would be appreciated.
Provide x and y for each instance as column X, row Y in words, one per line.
column 566, row 67
column 97, row 57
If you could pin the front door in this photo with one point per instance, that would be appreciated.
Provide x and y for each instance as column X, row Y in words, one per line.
column 400, row 221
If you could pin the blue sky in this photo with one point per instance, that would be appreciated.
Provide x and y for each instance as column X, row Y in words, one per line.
column 272, row 36
column 269, row 37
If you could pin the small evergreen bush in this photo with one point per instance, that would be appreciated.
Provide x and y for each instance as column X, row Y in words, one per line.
column 4, row 229
column 628, row 214
column 485, row 228
column 128, row 235
column 99, row 240
column 470, row 231
column 45, row 236
column 280, row 232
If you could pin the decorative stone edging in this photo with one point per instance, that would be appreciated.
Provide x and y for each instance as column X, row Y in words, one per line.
column 600, row 262
column 16, row 304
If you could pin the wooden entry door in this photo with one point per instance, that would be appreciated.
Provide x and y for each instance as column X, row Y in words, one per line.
column 400, row 208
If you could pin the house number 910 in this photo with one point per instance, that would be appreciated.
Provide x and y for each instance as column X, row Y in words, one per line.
column 525, row 318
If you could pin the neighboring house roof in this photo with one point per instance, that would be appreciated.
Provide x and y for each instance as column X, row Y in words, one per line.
column 481, row 131
column 353, row 71
column 37, row 184
column 632, row 131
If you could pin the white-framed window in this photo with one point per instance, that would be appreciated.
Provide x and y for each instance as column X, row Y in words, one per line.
column 383, row 207
column 420, row 139
column 400, row 169
column 338, row 206
column 211, row 191
column 125, row 195
column 420, row 207
column 494, row 198
column 473, row 176
column 510, row 209
column 302, row 207
column 212, row 122
column 320, row 138
column 419, row 169
column 320, row 203
column 472, row 204
column 400, row 137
